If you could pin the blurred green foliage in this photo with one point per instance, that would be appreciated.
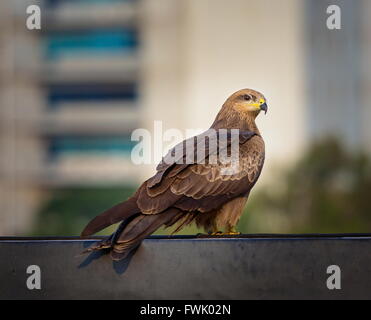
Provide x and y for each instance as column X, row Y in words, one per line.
column 328, row 190
column 69, row 210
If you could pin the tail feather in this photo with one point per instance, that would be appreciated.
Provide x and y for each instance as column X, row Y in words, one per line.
column 183, row 220
column 137, row 230
column 117, row 213
column 108, row 242
column 101, row 245
column 133, row 229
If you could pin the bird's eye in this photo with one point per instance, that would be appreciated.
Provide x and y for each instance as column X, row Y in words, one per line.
column 246, row 97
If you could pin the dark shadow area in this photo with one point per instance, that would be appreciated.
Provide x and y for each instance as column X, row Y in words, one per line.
column 95, row 255
column 122, row 265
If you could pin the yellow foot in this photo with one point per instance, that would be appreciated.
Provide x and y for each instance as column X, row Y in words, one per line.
column 228, row 233
column 216, row 233
column 231, row 233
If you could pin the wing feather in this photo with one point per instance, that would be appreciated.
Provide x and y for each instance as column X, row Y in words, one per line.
column 204, row 145
column 203, row 187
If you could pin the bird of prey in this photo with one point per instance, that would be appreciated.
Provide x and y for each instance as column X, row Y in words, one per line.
column 202, row 191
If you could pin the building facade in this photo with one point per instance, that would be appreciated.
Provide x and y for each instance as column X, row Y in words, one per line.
column 72, row 93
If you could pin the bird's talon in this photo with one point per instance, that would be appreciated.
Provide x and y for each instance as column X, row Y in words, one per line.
column 217, row 233
column 232, row 233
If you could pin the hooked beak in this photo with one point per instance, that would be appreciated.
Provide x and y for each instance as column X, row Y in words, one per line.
column 264, row 107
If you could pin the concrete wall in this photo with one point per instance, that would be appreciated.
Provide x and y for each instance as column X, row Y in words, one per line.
column 194, row 54
column 271, row 267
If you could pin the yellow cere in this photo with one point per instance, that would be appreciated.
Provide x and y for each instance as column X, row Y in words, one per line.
column 257, row 104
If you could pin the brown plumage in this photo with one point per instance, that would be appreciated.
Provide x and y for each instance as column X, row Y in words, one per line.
column 182, row 192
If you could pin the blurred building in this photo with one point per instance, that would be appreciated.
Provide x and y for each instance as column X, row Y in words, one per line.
column 72, row 93
column 70, row 101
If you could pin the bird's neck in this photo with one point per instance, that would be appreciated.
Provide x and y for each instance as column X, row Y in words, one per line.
column 227, row 119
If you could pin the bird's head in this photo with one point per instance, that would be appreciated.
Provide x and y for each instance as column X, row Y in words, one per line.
column 248, row 101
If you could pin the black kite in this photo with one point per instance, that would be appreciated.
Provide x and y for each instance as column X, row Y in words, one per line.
column 184, row 191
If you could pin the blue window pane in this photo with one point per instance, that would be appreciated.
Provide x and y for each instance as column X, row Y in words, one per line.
column 90, row 92
column 90, row 145
column 92, row 42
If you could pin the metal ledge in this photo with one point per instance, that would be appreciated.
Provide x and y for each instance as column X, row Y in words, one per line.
column 188, row 267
